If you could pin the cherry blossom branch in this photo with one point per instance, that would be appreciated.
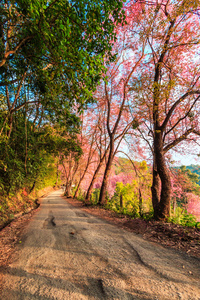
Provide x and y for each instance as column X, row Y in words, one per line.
column 178, row 140
column 164, row 125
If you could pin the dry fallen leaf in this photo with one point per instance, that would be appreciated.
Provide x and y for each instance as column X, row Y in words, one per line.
column 190, row 272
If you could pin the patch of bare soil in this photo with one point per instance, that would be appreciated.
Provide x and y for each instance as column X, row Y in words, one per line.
column 170, row 235
column 10, row 236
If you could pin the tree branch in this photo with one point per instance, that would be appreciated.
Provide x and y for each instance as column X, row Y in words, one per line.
column 178, row 140
column 173, row 108
column 3, row 61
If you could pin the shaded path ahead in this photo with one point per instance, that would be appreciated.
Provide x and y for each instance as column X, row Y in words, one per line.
column 68, row 254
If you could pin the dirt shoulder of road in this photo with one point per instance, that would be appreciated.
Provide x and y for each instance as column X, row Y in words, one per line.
column 11, row 234
column 170, row 235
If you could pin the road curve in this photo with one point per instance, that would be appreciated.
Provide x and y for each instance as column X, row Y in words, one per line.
column 66, row 253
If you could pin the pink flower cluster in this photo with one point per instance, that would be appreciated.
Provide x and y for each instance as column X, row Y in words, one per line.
column 193, row 206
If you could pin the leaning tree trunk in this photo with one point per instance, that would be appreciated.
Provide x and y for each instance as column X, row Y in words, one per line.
column 82, row 177
column 33, row 186
column 79, row 184
column 161, row 202
column 89, row 191
column 102, row 196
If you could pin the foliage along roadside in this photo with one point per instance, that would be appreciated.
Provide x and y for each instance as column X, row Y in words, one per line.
column 150, row 92
column 155, row 97
column 171, row 235
column 27, row 171
column 14, row 206
column 129, row 193
column 51, row 58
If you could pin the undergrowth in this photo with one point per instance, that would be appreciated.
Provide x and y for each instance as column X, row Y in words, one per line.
column 179, row 217
column 11, row 205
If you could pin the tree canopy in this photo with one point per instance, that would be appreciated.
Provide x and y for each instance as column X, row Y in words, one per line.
column 137, row 61
column 51, row 58
column 58, row 42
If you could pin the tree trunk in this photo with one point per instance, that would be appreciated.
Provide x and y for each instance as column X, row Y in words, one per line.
column 162, row 208
column 77, row 189
column 102, row 196
column 10, row 125
column 57, row 173
column 155, row 190
column 78, row 186
column 174, row 206
column 140, row 202
column 121, row 201
column 68, row 189
column 33, row 186
column 165, row 198
column 81, row 179
column 89, row 191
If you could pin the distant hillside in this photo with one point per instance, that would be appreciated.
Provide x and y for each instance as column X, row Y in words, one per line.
column 124, row 165
column 194, row 169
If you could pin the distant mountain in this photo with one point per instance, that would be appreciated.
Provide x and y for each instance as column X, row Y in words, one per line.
column 194, row 169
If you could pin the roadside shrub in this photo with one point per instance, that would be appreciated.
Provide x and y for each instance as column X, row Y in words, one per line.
column 188, row 219
column 81, row 196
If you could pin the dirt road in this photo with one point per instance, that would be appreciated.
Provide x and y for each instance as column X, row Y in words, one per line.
column 69, row 254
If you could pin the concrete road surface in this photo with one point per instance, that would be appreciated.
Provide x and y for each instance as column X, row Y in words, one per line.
column 68, row 254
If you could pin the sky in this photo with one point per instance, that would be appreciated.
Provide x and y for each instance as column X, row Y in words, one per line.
column 188, row 159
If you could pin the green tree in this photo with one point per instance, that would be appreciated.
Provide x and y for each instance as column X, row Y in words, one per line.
column 51, row 58
column 192, row 176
